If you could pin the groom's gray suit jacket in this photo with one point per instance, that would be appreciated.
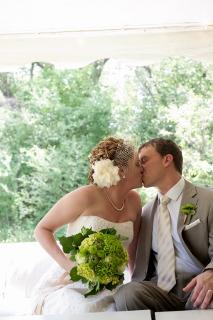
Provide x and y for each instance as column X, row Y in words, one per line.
column 197, row 240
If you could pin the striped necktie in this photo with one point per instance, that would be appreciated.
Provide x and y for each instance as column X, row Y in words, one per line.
column 166, row 253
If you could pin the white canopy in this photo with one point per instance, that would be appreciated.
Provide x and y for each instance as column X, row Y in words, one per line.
column 77, row 32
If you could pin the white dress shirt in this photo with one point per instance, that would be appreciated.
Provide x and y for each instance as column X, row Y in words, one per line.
column 184, row 262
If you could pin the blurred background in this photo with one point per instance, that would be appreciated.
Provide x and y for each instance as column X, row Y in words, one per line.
column 50, row 119
column 72, row 73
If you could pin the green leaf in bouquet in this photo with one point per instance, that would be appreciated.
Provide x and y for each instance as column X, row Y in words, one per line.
column 66, row 243
column 91, row 292
column 112, row 231
column 77, row 239
column 110, row 286
column 72, row 242
column 108, row 231
column 84, row 280
column 75, row 276
column 73, row 252
column 94, row 289
column 86, row 231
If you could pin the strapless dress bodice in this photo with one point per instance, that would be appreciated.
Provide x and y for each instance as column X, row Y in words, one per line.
column 124, row 229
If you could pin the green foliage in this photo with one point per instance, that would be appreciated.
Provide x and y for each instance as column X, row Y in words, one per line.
column 50, row 120
column 70, row 244
column 45, row 144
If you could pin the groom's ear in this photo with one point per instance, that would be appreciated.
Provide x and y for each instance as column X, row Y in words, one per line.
column 168, row 159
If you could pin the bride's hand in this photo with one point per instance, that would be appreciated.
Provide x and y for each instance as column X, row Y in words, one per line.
column 64, row 278
column 69, row 265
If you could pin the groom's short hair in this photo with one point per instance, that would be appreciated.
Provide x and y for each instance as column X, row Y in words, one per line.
column 164, row 147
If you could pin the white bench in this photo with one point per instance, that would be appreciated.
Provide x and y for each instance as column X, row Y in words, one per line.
column 121, row 315
column 21, row 266
column 185, row 315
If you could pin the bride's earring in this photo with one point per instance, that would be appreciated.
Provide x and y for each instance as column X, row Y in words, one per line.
column 122, row 173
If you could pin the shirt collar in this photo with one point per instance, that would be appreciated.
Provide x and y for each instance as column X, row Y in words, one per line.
column 175, row 192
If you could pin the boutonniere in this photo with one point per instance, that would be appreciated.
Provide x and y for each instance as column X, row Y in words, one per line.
column 188, row 209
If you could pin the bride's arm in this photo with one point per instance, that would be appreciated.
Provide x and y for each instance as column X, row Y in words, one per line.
column 66, row 210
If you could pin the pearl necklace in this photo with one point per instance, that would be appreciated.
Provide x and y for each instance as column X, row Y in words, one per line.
column 113, row 204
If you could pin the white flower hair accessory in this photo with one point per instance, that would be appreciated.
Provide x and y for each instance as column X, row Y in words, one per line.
column 105, row 173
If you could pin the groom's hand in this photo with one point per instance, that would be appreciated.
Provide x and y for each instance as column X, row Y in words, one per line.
column 202, row 286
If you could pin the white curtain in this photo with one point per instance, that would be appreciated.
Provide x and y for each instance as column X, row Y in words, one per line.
column 76, row 32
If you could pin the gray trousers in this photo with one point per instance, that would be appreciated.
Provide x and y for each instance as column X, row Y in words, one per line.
column 146, row 295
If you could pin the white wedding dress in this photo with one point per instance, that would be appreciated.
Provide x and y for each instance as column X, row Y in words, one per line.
column 56, row 294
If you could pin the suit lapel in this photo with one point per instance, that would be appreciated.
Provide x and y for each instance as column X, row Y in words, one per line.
column 189, row 196
column 145, row 240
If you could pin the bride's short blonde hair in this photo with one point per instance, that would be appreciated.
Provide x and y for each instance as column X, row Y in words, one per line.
column 116, row 149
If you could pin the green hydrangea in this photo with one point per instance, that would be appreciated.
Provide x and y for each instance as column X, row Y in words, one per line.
column 100, row 258
column 85, row 271
column 105, row 255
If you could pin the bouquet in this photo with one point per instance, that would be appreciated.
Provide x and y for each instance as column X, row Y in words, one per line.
column 100, row 258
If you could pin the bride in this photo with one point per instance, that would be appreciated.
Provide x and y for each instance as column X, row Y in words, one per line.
column 108, row 201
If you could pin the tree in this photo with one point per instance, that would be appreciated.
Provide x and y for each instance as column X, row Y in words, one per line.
column 46, row 143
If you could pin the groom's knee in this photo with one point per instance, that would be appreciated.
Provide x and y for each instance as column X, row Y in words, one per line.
column 130, row 297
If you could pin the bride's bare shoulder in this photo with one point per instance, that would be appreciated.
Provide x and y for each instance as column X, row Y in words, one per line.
column 87, row 189
column 134, row 197
column 84, row 193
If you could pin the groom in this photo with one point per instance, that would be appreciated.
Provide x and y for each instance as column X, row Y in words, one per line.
column 174, row 258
